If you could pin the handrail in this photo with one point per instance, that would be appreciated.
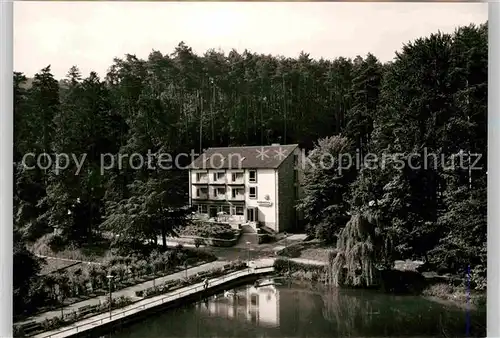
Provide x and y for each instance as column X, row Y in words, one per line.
column 177, row 294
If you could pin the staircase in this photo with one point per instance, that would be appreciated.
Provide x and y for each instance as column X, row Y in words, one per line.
column 249, row 228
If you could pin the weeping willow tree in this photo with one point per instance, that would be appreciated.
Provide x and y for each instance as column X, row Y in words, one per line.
column 359, row 252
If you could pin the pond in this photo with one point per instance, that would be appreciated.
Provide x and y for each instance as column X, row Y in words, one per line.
column 282, row 309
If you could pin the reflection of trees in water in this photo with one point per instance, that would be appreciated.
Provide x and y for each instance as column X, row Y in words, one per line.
column 367, row 314
column 349, row 313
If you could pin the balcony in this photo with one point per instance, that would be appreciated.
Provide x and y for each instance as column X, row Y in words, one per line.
column 237, row 194
column 200, row 196
column 202, row 179
column 218, row 179
column 238, row 197
column 237, row 179
column 218, row 197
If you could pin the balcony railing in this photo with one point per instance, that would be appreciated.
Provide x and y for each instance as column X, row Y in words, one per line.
column 201, row 197
column 237, row 180
column 218, row 180
column 219, row 197
column 238, row 197
column 201, row 180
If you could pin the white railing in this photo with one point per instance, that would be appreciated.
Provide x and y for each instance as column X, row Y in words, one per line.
column 201, row 197
column 238, row 197
column 202, row 179
column 105, row 318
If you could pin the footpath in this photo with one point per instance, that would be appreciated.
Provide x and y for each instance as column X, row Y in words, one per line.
column 127, row 292
column 262, row 260
column 260, row 266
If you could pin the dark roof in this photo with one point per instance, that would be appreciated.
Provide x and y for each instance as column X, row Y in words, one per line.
column 251, row 157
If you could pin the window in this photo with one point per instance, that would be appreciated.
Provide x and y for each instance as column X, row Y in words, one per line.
column 236, row 192
column 236, row 176
column 254, row 300
column 202, row 209
column 218, row 176
column 201, row 192
column 239, row 211
column 253, row 192
column 225, row 209
column 219, row 191
column 200, row 177
column 253, row 176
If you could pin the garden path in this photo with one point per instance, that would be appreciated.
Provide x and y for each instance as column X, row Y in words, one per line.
column 127, row 292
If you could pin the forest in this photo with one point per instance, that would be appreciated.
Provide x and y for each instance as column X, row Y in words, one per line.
column 431, row 98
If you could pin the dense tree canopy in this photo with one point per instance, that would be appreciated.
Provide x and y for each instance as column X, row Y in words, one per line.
column 431, row 99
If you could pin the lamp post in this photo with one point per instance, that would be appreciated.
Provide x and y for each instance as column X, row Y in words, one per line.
column 110, row 278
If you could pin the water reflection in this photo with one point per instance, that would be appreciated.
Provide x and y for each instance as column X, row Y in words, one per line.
column 279, row 309
column 258, row 305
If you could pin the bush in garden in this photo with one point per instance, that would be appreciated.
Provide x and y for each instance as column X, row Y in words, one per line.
column 37, row 295
column 52, row 323
column 209, row 230
column 17, row 331
column 127, row 260
column 142, row 267
column 72, row 316
column 120, row 271
column 283, row 265
column 92, row 275
column 292, row 251
column 91, row 278
column 159, row 262
column 133, row 270
column 101, row 276
column 198, row 242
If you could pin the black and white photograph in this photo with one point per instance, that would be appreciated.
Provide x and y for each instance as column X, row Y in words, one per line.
column 250, row 169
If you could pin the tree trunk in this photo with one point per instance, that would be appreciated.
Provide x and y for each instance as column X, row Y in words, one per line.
column 164, row 238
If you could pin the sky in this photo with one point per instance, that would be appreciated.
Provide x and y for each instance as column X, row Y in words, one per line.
column 91, row 34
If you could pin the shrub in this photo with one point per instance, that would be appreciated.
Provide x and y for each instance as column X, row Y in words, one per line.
column 440, row 290
column 209, row 230
column 198, row 242
column 291, row 251
column 52, row 323
column 478, row 278
column 300, row 270
column 49, row 242
column 265, row 238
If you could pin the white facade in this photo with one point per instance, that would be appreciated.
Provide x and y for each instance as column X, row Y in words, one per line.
column 246, row 196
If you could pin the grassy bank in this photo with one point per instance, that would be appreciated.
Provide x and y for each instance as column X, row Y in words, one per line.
column 457, row 296
column 313, row 250
column 300, row 271
column 440, row 292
